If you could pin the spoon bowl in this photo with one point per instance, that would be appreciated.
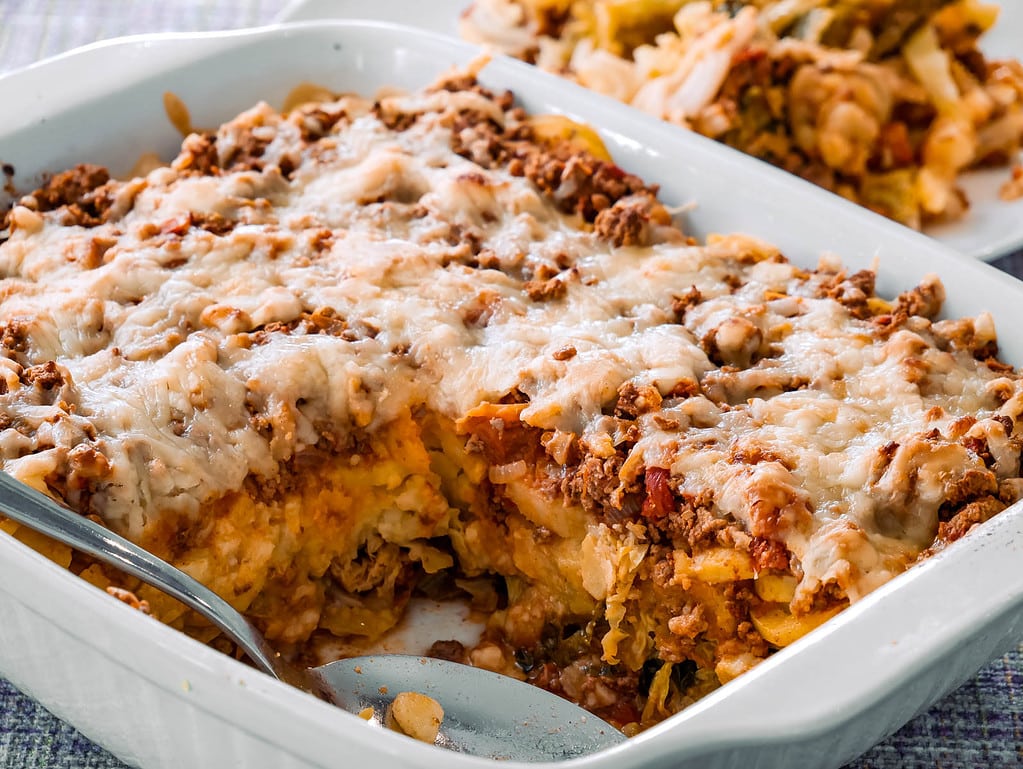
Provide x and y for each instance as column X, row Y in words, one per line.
column 485, row 714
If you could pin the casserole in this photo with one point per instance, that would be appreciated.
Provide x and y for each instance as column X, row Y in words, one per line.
column 618, row 134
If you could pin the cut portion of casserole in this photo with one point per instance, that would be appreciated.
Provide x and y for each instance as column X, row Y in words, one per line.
column 885, row 102
column 331, row 359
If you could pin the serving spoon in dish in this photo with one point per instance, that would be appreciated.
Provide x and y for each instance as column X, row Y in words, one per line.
column 484, row 714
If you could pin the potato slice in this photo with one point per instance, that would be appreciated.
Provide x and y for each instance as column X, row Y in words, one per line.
column 776, row 588
column 55, row 551
column 557, row 128
column 780, row 628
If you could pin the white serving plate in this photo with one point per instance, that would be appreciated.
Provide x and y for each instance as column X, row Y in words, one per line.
column 155, row 698
column 992, row 228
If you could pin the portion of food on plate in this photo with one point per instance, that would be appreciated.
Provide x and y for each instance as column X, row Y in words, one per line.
column 885, row 102
column 427, row 344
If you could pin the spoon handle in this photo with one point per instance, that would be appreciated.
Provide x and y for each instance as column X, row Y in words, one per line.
column 39, row 512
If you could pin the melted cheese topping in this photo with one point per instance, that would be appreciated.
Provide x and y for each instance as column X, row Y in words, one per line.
column 186, row 364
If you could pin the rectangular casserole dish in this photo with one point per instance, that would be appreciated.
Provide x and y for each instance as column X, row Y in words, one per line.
column 155, row 698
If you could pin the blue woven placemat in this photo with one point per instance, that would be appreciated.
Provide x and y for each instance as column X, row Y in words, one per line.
column 980, row 725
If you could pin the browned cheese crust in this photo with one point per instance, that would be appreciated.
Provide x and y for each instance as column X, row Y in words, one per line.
column 329, row 360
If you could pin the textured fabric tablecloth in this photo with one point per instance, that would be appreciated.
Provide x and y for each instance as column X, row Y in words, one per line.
column 980, row 725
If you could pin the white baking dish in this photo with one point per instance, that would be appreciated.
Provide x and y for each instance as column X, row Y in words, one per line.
column 158, row 699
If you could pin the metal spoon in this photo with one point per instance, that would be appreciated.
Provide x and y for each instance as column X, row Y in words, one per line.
column 485, row 714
